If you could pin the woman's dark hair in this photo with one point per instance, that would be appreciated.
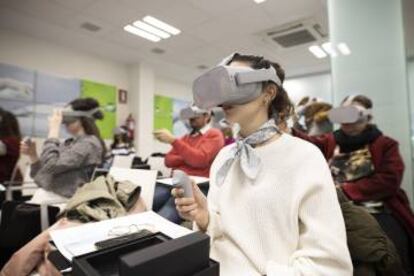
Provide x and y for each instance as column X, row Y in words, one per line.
column 281, row 108
column 362, row 100
column 88, row 124
column 9, row 126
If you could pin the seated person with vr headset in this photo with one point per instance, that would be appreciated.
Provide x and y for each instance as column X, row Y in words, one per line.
column 272, row 207
column 367, row 166
column 193, row 153
column 64, row 166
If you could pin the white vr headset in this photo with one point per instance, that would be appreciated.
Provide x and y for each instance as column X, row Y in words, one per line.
column 229, row 85
column 192, row 112
column 348, row 113
column 69, row 115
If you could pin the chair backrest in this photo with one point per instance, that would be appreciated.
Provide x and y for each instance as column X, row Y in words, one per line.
column 123, row 161
column 157, row 163
column 97, row 172
column 29, row 186
column 144, row 178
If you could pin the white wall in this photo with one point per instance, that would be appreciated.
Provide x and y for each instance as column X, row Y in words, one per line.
column 319, row 86
column 50, row 58
column 410, row 72
column 171, row 88
column 142, row 107
column 36, row 54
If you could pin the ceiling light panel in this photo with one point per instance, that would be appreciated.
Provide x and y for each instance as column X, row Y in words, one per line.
column 317, row 51
column 133, row 30
column 161, row 25
column 151, row 29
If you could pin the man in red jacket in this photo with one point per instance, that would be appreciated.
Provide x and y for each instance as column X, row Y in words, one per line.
column 368, row 167
column 195, row 152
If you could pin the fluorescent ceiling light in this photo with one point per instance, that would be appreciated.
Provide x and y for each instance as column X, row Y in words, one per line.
column 327, row 46
column 131, row 29
column 146, row 27
column 317, row 51
column 344, row 49
column 161, row 25
column 259, row 1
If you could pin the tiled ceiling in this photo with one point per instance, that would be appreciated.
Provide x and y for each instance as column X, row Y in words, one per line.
column 210, row 29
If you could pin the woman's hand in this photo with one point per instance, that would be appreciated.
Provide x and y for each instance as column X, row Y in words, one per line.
column 54, row 123
column 28, row 147
column 194, row 208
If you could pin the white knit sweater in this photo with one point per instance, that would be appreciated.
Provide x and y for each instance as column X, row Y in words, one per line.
column 286, row 222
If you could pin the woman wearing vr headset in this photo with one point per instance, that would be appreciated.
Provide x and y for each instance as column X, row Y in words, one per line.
column 64, row 166
column 368, row 167
column 272, row 208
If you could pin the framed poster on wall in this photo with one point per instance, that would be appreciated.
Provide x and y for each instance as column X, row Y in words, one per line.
column 122, row 96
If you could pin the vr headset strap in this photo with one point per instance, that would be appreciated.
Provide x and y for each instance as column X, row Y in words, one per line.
column 258, row 75
column 78, row 113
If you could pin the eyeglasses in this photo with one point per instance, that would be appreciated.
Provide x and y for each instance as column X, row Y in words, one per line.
column 123, row 230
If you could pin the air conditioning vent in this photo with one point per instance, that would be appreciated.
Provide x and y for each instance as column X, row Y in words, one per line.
column 90, row 27
column 157, row 51
column 202, row 67
column 295, row 34
column 294, row 38
column 287, row 29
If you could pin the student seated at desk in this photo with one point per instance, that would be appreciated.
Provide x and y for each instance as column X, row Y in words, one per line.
column 368, row 167
column 64, row 166
column 193, row 153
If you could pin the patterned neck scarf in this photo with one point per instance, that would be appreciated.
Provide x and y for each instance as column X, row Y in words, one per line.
column 250, row 163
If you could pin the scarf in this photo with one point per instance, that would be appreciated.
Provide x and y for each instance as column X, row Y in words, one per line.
column 352, row 143
column 249, row 162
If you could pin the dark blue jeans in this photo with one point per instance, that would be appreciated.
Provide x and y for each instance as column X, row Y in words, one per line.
column 164, row 203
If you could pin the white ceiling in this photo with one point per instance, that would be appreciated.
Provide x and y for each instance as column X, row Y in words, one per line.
column 210, row 29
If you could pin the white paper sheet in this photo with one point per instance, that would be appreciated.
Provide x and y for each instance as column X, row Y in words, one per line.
column 123, row 161
column 42, row 196
column 81, row 239
column 144, row 178
column 197, row 179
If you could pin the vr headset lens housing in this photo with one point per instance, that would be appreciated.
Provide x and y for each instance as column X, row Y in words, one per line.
column 67, row 120
column 191, row 112
column 230, row 85
column 69, row 115
column 348, row 114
